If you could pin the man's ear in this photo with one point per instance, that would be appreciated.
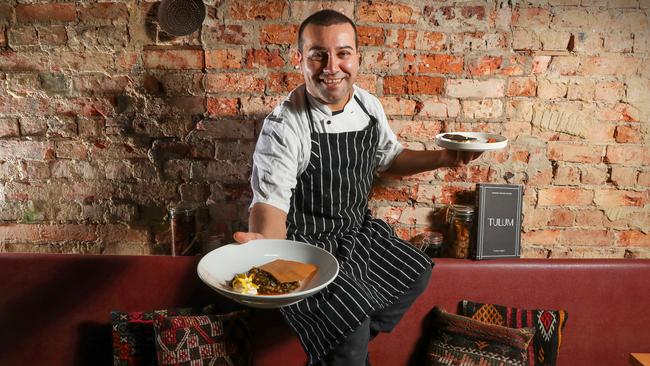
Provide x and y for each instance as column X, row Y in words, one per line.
column 297, row 58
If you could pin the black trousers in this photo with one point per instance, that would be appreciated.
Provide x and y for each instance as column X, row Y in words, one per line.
column 353, row 350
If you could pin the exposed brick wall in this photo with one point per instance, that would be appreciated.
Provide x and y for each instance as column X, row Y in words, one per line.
column 105, row 121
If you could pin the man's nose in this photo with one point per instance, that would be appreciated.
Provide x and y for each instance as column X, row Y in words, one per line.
column 332, row 66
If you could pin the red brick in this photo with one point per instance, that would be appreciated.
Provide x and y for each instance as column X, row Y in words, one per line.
column 223, row 106
column 623, row 176
column 234, row 83
column 264, row 58
column 439, row 108
column 258, row 10
column 52, row 35
column 402, row 38
column 9, row 127
column 18, row 232
column 562, row 217
column 628, row 155
column 522, row 87
column 540, row 64
column 632, row 238
column 27, row 150
column 416, row 130
column 593, row 237
column 88, row 107
column 412, row 84
column 68, row 232
column 566, row 175
column 644, row 179
column 609, row 198
column 365, row 81
column 398, row 106
column 471, row 88
column 609, row 91
column 371, row 36
column 281, row 83
column 107, row 150
column 433, row 41
column 542, row 237
column 564, row 196
column 386, row 12
column 439, row 64
column 531, row 17
column 259, row 106
column 3, row 37
column 397, row 194
column 610, row 65
column 106, row 11
column 279, row 34
column 561, row 151
column 18, row 61
column 173, row 59
column 226, row 34
column 628, row 134
column 101, row 84
column 224, row 59
column 71, row 150
column 116, row 232
column 38, row 13
column 380, row 61
column 485, row 65
column 594, row 218
column 25, row 35
column 620, row 112
column 228, row 129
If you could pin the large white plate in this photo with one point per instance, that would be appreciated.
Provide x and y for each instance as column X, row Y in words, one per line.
column 480, row 144
column 219, row 266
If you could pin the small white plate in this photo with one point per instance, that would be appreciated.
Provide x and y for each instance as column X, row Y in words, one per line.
column 218, row 267
column 480, row 144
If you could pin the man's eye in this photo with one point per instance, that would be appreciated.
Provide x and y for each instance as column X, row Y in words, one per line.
column 344, row 54
column 317, row 57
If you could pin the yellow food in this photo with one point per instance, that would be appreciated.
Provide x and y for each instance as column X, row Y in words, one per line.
column 243, row 283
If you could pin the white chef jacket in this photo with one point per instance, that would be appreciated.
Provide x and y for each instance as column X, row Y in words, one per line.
column 284, row 145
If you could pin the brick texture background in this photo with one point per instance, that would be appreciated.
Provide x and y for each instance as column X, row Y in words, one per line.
column 106, row 121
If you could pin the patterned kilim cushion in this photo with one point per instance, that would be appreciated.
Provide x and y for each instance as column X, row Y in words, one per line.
column 204, row 340
column 458, row 340
column 549, row 325
column 133, row 336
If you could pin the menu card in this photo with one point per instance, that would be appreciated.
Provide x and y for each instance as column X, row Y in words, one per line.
column 498, row 230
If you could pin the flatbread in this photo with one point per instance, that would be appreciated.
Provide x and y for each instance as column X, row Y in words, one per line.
column 289, row 271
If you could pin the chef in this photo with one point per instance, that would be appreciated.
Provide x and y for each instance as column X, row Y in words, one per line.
column 313, row 168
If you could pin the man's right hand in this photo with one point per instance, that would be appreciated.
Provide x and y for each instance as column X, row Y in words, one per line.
column 244, row 237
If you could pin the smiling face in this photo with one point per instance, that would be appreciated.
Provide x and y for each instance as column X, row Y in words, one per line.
column 329, row 62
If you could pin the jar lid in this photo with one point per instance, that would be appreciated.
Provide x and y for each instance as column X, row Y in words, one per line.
column 183, row 208
column 463, row 210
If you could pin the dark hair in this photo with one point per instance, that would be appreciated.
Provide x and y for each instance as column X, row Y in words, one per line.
column 326, row 17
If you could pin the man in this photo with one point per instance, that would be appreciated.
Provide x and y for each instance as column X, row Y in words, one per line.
column 312, row 173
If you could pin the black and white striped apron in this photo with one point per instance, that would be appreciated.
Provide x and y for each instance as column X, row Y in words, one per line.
column 329, row 209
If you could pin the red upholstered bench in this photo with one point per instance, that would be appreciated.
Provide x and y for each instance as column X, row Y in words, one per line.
column 54, row 309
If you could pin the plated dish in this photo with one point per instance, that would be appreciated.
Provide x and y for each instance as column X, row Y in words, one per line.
column 471, row 141
column 219, row 267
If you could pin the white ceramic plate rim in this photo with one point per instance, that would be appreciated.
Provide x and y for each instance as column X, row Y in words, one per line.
column 285, row 299
column 501, row 142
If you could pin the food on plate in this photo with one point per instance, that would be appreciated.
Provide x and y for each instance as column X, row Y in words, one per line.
column 461, row 138
column 458, row 138
column 274, row 278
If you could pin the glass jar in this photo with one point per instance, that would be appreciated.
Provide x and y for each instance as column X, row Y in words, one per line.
column 184, row 225
column 461, row 230
column 429, row 242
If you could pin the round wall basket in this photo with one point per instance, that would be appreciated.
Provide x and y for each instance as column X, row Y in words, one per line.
column 181, row 17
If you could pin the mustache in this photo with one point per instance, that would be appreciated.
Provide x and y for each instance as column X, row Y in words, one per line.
column 336, row 75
